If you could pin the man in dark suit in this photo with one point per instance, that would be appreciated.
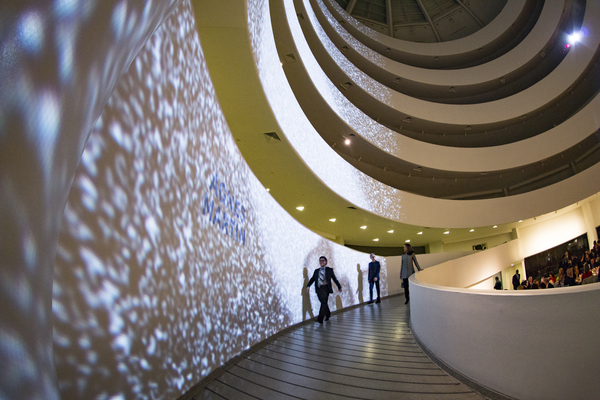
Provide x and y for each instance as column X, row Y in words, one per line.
column 374, row 268
column 516, row 281
column 322, row 278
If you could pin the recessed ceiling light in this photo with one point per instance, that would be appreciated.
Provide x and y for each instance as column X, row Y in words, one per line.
column 268, row 190
column 447, row 232
column 407, row 241
column 391, row 231
column 300, row 208
column 347, row 141
column 419, row 233
column 472, row 230
column 376, row 240
column 332, row 220
column 363, row 227
column 520, row 220
column 495, row 226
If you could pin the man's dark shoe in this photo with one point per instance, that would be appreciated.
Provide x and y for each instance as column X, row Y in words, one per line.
column 327, row 319
column 406, row 302
column 378, row 301
column 370, row 302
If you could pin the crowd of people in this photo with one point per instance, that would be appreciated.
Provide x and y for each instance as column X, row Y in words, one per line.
column 574, row 269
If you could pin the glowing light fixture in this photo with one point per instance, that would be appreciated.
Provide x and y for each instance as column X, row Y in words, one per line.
column 419, row 233
column 446, row 233
column 376, row 240
column 332, row 220
column 472, row 230
column 520, row 220
column 347, row 141
column 391, row 231
column 575, row 37
column 407, row 241
column 363, row 227
column 495, row 226
column 268, row 190
column 300, row 208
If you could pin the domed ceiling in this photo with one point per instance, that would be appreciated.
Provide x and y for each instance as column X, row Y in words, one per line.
column 424, row 20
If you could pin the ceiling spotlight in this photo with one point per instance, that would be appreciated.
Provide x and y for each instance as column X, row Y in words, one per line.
column 376, row 240
column 472, row 230
column 300, row 208
column 419, row 233
column 332, row 220
column 407, row 241
column 391, row 231
column 447, row 232
column 363, row 227
column 495, row 226
column 268, row 190
column 520, row 220
column 347, row 142
column 574, row 37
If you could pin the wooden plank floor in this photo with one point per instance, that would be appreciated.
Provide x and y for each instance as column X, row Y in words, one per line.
column 365, row 353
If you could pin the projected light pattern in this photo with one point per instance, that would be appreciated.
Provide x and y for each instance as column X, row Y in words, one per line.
column 55, row 75
column 370, row 85
column 151, row 290
column 353, row 185
column 365, row 126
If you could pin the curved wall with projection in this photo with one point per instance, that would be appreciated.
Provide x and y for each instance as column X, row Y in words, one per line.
column 172, row 257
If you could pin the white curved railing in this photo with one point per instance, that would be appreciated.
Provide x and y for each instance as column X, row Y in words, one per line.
column 513, row 342
column 534, row 344
column 461, row 159
column 374, row 64
column 494, row 112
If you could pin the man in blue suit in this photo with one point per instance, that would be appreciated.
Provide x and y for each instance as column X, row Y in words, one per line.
column 374, row 268
column 322, row 278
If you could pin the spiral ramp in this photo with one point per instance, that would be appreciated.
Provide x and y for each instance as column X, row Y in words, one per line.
column 443, row 123
column 486, row 131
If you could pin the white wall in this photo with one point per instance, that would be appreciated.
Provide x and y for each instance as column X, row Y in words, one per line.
column 520, row 343
column 467, row 245
column 514, row 342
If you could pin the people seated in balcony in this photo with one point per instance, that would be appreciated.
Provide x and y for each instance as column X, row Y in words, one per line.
column 525, row 284
column 560, row 282
column 543, row 284
column 593, row 278
column 552, row 278
column 565, row 262
column 547, row 283
column 575, row 261
column 569, row 279
column 587, row 272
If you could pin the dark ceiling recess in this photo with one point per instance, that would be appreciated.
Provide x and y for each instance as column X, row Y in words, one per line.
column 272, row 135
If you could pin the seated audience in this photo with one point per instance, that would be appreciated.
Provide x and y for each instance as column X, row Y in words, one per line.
column 592, row 278
column 569, row 280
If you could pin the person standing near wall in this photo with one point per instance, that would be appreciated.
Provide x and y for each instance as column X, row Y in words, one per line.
column 409, row 260
column 516, row 281
column 498, row 284
column 322, row 278
column 374, row 268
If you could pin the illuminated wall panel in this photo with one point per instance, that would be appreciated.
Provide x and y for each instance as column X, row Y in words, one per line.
column 172, row 257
